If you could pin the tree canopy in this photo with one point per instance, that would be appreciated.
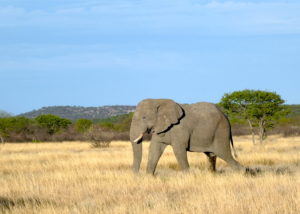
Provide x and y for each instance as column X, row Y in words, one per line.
column 52, row 123
column 82, row 125
column 12, row 124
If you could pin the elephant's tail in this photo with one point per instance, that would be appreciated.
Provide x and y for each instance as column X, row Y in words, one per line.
column 231, row 140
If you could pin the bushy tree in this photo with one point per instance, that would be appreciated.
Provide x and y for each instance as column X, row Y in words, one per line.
column 10, row 125
column 53, row 123
column 82, row 125
column 118, row 123
column 259, row 108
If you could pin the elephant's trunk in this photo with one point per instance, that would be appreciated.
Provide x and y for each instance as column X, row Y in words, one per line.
column 136, row 136
column 137, row 150
column 137, row 156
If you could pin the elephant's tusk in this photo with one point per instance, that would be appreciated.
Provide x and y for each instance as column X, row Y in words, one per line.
column 138, row 138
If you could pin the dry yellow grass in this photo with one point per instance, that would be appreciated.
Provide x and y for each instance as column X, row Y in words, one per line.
column 75, row 178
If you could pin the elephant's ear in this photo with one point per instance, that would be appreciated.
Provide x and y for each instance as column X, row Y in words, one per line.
column 168, row 114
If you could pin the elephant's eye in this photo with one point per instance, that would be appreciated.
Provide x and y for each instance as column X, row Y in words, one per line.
column 144, row 117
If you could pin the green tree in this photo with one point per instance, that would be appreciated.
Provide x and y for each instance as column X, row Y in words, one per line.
column 53, row 123
column 259, row 108
column 119, row 123
column 82, row 125
column 13, row 124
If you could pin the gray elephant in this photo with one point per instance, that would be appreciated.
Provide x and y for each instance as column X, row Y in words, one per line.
column 199, row 127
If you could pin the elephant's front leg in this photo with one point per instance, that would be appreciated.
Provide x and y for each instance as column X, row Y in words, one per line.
column 155, row 151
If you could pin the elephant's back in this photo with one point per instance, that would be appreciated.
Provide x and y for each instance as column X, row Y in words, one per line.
column 201, row 107
column 203, row 111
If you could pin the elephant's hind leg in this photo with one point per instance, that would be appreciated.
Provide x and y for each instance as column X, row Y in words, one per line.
column 234, row 164
column 212, row 159
column 221, row 148
column 227, row 157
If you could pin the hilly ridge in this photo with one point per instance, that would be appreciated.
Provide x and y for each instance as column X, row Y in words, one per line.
column 101, row 112
column 295, row 110
column 77, row 112
column 4, row 114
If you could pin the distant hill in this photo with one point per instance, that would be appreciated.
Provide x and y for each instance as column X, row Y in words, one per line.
column 77, row 112
column 94, row 113
column 4, row 114
column 295, row 110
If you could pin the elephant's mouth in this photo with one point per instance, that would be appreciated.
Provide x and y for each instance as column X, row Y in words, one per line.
column 150, row 131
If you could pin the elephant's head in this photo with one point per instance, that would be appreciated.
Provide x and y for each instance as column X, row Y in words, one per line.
column 154, row 116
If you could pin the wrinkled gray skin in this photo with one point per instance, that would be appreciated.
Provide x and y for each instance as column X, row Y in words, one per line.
column 199, row 127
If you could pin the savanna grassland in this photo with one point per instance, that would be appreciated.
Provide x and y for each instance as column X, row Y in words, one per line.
column 73, row 177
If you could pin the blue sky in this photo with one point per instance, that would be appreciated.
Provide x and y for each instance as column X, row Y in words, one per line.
column 94, row 53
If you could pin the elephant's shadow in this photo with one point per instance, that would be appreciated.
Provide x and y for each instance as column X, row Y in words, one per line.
column 248, row 171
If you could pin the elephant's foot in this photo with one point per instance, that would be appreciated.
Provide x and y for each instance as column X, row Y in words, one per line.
column 150, row 171
column 212, row 169
column 212, row 163
column 185, row 169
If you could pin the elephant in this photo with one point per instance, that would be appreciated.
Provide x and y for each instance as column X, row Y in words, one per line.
column 198, row 127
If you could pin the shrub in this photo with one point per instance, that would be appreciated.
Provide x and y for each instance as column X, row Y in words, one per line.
column 82, row 125
column 288, row 131
column 99, row 136
column 100, row 144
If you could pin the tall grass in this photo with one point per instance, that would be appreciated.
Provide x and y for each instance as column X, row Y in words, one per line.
column 76, row 178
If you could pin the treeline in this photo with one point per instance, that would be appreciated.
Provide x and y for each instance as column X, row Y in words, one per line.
column 252, row 112
column 289, row 126
column 47, row 128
